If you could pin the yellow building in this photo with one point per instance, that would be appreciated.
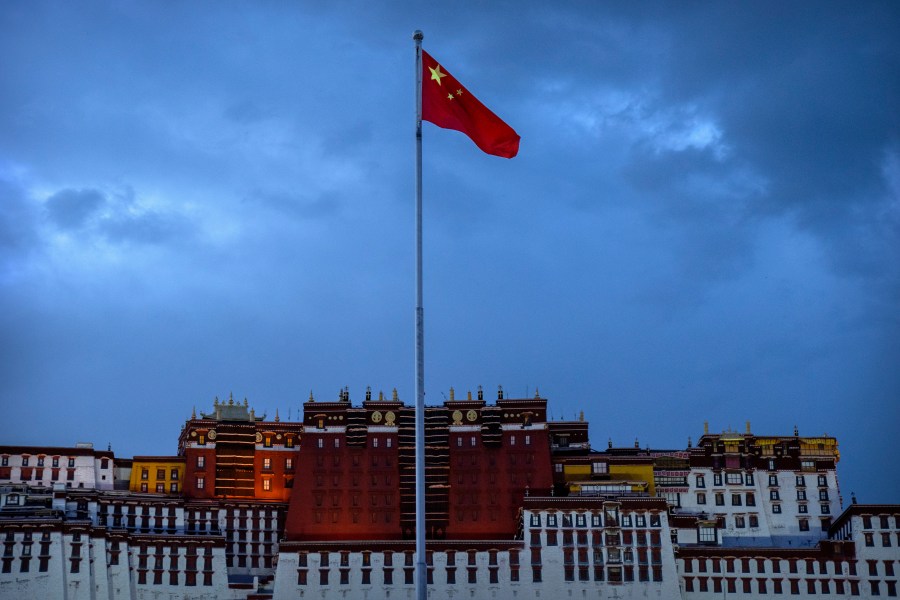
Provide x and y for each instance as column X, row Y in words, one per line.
column 157, row 474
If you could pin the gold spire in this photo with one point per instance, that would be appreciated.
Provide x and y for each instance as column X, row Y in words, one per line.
column 277, row 418
column 748, row 427
column 311, row 399
column 395, row 397
column 705, row 427
column 194, row 413
column 469, row 396
column 581, row 416
column 452, row 394
column 230, row 399
column 537, row 395
column 245, row 402
column 380, row 395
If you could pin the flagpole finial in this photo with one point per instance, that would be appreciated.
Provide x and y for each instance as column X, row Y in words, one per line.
column 418, row 35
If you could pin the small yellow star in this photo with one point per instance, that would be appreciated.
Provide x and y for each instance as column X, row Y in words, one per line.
column 459, row 92
column 436, row 74
column 450, row 96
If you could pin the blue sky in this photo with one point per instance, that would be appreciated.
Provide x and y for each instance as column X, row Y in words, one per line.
column 702, row 224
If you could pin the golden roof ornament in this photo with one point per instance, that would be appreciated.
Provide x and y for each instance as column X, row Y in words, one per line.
column 230, row 399
column 581, row 416
column 537, row 394
column 311, row 399
column 395, row 397
column 194, row 412
column 452, row 394
column 380, row 395
column 277, row 418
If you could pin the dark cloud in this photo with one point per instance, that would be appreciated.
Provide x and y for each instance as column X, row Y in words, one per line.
column 71, row 209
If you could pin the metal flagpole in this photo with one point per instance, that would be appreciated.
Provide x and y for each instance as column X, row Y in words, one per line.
column 421, row 589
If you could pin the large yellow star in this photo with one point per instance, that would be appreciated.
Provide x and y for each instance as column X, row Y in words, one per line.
column 436, row 74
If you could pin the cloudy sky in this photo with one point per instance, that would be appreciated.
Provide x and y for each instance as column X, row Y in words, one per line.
column 702, row 224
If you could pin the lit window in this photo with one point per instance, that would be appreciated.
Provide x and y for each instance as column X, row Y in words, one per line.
column 160, row 488
column 173, row 487
column 375, row 442
column 337, row 442
column 288, row 464
column 201, row 462
column 267, row 485
column 388, row 442
column 201, row 482
column 267, row 464
column 321, row 442
column 144, row 487
column 527, row 440
column 472, row 441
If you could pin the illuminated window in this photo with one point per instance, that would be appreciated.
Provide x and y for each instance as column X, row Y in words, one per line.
column 201, row 462
column 267, row 464
column 201, row 482
column 267, row 485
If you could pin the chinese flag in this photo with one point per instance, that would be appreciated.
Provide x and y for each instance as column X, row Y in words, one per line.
column 448, row 104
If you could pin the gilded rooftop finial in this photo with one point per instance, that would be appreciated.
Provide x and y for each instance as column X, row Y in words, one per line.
column 395, row 397
column 277, row 418
column 452, row 394
column 469, row 395
column 537, row 394
column 230, row 399
column 194, row 413
column 380, row 395
column 581, row 416
column 311, row 399
column 245, row 402
column 705, row 427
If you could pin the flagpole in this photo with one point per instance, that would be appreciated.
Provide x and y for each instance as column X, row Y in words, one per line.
column 421, row 589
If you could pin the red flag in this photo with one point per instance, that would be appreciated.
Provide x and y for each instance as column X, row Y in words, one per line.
column 447, row 104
